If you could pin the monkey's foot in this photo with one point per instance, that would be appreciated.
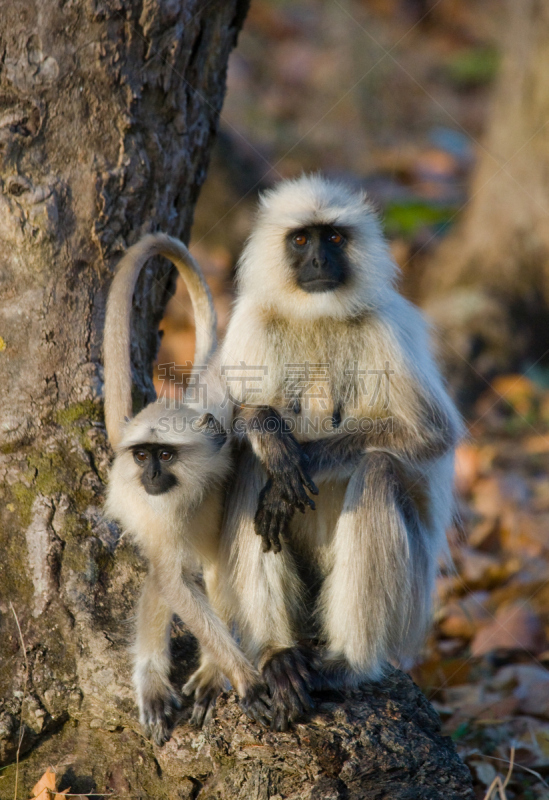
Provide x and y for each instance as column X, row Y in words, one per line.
column 291, row 675
column 206, row 683
column 158, row 709
column 256, row 704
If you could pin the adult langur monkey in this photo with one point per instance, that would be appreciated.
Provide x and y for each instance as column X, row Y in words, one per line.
column 166, row 489
column 332, row 372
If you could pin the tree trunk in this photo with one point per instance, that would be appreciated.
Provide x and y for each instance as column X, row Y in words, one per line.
column 107, row 113
column 383, row 743
column 108, row 109
column 488, row 286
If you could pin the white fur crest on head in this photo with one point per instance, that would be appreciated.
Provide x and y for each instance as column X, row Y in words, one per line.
column 265, row 275
column 165, row 421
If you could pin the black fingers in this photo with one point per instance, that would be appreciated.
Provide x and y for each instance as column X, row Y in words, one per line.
column 294, row 491
column 283, row 458
column 277, row 502
column 159, row 714
column 295, row 478
column 204, row 706
column 290, row 675
column 272, row 518
column 256, row 704
column 306, row 478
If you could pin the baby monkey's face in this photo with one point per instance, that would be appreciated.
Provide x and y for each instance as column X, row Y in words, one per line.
column 156, row 462
column 172, row 453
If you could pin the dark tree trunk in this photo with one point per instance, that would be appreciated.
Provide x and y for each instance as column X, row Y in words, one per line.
column 488, row 286
column 108, row 109
column 381, row 743
column 107, row 113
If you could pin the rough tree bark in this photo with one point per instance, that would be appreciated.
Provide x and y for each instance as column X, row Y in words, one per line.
column 107, row 113
column 488, row 285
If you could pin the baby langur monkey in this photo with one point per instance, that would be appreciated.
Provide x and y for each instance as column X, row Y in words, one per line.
column 166, row 489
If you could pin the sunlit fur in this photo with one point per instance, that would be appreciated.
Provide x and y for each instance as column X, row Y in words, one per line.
column 177, row 531
column 178, row 534
column 200, row 467
column 313, row 201
column 376, row 566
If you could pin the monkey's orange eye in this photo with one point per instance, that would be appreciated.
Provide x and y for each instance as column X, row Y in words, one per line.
column 300, row 239
column 141, row 456
column 335, row 238
column 166, row 456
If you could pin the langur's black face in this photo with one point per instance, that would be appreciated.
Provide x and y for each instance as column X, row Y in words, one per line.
column 318, row 257
column 156, row 462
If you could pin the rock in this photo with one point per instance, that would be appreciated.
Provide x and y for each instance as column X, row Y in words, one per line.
column 381, row 742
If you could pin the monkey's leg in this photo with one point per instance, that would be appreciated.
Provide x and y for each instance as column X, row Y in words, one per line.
column 156, row 698
column 185, row 597
column 376, row 599
column 287, row 475
column 265, row 594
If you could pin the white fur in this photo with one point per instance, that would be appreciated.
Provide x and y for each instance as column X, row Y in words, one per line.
column 178, row 531
column 378, row 573
column 313, row 201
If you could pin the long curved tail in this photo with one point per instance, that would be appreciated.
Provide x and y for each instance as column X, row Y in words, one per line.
column 116, row 339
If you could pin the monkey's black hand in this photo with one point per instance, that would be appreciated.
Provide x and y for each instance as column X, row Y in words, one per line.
column 158, row 712
column 256, row 704
column 288, row 478
column 273, row 517
column 291, row 478
column 204, row 705
column 291, row 675
column 206, row 684
column 283, row 493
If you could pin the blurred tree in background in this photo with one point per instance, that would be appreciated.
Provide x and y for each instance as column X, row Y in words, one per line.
column 488, row 285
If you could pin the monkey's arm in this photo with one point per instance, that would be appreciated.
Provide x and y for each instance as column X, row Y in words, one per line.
column 427, row 435
column 185, row 597
column 287, row 474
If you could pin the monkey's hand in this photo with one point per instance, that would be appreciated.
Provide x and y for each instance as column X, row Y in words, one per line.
column 206, row 683
column 256, row 704
column 291, row 675
column 273, row 517
column 158, row 707
column 284, row 492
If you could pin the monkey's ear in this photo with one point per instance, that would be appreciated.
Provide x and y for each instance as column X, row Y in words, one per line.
column 210, row 423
